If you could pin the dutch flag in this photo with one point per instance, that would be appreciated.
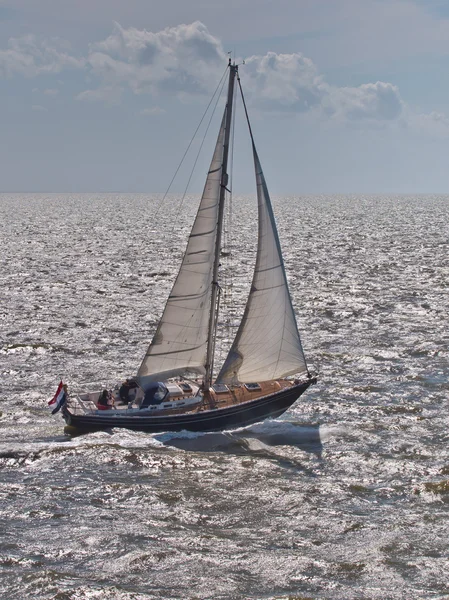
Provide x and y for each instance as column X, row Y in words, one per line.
column 59, row 398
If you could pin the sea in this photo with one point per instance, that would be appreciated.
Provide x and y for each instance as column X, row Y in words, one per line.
column 346, row 496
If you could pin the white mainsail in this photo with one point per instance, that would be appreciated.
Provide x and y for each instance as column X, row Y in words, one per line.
column 267, row 345
column 180, row 342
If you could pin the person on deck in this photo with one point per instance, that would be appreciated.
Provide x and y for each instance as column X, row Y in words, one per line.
column 103, row 401
column 125, row 389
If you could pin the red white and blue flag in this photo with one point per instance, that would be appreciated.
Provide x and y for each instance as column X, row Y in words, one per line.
column 59, row 398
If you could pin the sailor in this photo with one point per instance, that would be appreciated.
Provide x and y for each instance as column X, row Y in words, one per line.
column 103, row 400
column 124, row 390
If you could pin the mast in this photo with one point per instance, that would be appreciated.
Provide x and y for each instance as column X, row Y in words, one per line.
column 223, row 183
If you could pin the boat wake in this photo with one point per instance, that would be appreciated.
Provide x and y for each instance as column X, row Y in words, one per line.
column 256, row 439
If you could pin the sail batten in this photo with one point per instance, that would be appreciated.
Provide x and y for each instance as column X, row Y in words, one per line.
column 175, row 351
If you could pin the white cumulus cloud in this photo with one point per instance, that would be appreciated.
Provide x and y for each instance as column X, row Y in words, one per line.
column 380, row 101
column 187, row 60
column 291, row 82
column 287, row 82
column 177, row 59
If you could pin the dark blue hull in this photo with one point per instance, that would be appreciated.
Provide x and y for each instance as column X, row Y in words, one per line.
column 231, row 417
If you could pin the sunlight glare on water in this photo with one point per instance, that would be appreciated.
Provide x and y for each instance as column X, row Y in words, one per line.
column 345, row 496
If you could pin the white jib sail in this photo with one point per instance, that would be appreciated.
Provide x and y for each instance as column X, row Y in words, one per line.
column 267, row 345
column 180, row 342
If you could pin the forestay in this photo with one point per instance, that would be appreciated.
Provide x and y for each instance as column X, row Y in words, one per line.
column 180, row 342
column 267, row 345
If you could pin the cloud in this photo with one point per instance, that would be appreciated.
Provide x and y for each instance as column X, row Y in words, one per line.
column 434, row 124
column 373, row 101
column 287, row 82
column 109, row 94
column 177, row 59
column 30, row 57
column 155, row 110
column 38, row 108
column 184, row 61
column 291, row 83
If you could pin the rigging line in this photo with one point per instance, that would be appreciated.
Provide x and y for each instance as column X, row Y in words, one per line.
column 191, row 141
column 178, row 212
column 246, row 111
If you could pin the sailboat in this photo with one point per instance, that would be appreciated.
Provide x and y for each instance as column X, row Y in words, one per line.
column 177, row 386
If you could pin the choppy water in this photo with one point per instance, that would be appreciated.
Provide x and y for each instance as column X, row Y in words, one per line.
column 346, row 496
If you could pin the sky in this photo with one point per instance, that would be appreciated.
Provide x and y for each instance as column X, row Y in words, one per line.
column 345, row 96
